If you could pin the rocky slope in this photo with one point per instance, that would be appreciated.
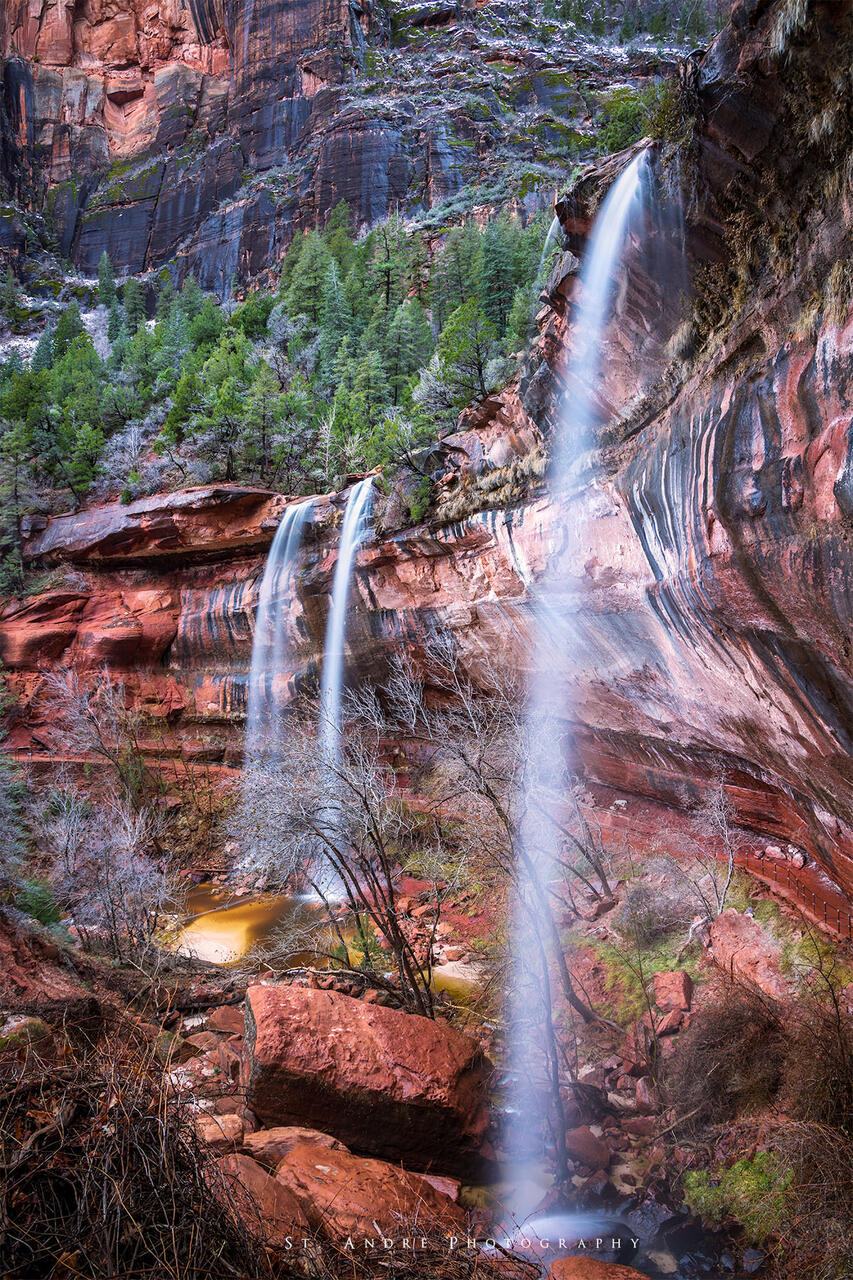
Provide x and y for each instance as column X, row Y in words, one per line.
column 207, row 133
column 714, row 534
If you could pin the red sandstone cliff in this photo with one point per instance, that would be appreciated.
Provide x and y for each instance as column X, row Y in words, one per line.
column 714, row 552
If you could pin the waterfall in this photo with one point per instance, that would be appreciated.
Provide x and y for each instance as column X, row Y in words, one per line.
column 353, row 530
column 553, row 231
column 534, row 1064
column 269, row 648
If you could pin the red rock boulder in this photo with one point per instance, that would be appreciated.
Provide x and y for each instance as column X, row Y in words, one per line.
column 345, row 1195
column 673, row 990
column 270, row 1146
column 591, row 1269
column 741, row 947
column 384, row 1082
column 582, row 1145
column 265, row 1207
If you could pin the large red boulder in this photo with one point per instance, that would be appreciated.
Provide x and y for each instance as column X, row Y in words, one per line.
column 673, row 990
column 265, row 1207
column 740, row 946
column 384, row 1082
column 346, row 1195
column 582, row 1144
column 270, row 1146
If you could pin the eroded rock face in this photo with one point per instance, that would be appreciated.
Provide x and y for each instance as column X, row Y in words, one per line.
column 383, row 1082
column 208, row 132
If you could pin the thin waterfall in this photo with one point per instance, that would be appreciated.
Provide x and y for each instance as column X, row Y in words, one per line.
column 534, row 1059
column 355, row 525
column 266, row 705
column 554, row 230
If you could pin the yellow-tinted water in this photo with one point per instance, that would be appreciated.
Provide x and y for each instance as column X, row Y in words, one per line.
column 223, row 930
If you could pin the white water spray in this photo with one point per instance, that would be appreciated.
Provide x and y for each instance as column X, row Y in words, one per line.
column 354, row 528
column 534, row 1060
column 266, row 705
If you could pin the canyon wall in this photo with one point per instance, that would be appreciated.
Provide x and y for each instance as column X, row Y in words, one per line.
column 201, row 134
column 712, row 556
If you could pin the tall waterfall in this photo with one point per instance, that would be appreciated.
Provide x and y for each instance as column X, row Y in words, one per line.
column 354, row 528
column 269, row 645
column 535, row 1065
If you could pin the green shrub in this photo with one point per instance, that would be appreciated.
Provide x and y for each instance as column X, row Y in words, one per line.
column 753, row 1192
column 36, row 899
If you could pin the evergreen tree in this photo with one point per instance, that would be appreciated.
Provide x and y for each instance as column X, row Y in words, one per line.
column 467, row 344
column 192, row 297
column 498, row 274
column 407, row 348
column 134, row 305
column 458, row 272
column 338, row 237
column 115, row 321
column 106, row 281
column 43, row 354
column 336, row 320
column 520, row 326
column 304, row 296
column 69, row 327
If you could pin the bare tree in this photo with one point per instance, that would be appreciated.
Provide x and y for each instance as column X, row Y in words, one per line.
column 716, row 864
column 99, row 722
column 337, row 826
column 104, row 871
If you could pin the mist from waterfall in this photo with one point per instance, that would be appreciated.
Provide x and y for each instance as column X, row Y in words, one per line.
column 353, row 530
column 266, row 704
column 534, row 1060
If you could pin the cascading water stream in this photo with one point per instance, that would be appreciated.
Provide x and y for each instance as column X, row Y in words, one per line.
column 533, row 1057
column 266, row 706
column 354, row 528
column 554, row 231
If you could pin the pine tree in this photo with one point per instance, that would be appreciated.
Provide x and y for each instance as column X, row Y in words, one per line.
column 407, row 347
column 468, row 342
column 338, row 238
column 106, row 281
column 336, row 320
column 134, row 305
column 305, row 293
column 498, row 288
column 69, row 327
column 43, row 354
column 192, row 297
column 115, row 321
column 458, row 272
